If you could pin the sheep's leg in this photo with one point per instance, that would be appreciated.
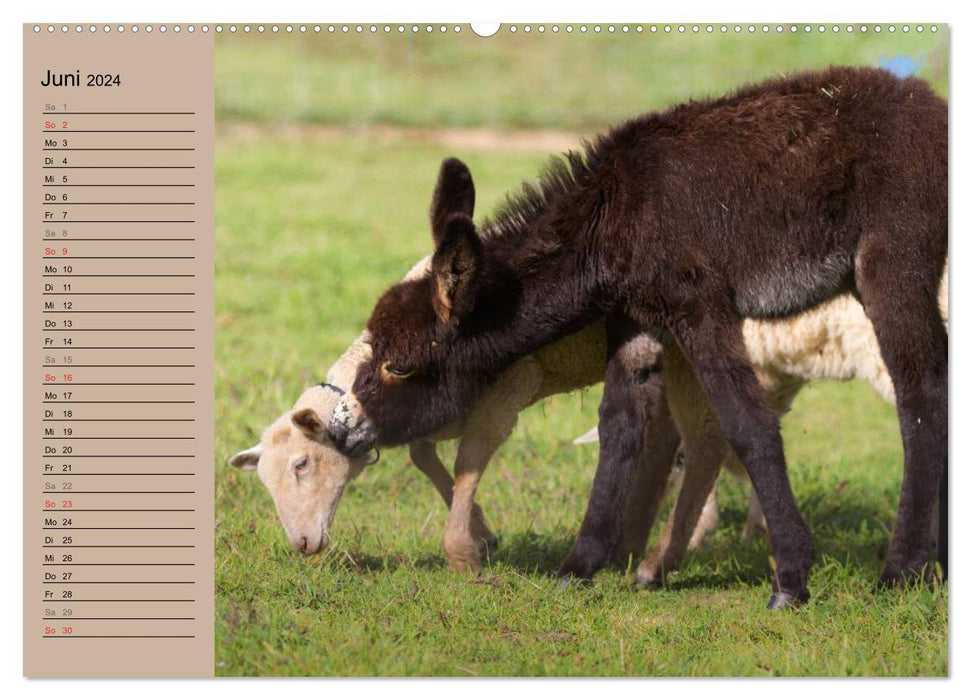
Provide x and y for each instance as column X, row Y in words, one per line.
column 707, row 521
column 650, row 484
column 483, row 432
column 913, row 343
column 704, row 451
column 715, row 347
column 633, row 398
column 425, row 457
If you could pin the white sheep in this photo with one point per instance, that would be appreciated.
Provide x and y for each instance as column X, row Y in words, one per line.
column 306, row 475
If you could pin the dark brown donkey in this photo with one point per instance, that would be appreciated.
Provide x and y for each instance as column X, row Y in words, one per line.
column 675, row 226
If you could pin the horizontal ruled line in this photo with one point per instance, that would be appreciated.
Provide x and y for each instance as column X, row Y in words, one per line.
column 115, row 204
column 104, row 492
column 125, row 473
column 109, row 401
column 118, row 456
column 126, row 185
column 119, row 383
column 157, row 114
column 183, row 275
column 119, row 167
column 118, row 546
column 119, row 510
column 118, row 583
column 72, row 238
column 122, row 600
column 120, row 636
column 119, row 420
column 119, row 437
column 125, row 564
column 72, row 617
column 122, row 347
column 112, row 330
column 113, row 366
column 117, row 221
column 117, row 149
column 117, row 528
column 123, row 311
column 118, row 131
column 119, row 294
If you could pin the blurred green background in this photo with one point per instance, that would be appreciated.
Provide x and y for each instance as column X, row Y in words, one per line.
column 327, row 151
column 575, row 81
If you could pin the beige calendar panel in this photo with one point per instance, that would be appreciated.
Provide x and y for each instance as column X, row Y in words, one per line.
column 118, row 351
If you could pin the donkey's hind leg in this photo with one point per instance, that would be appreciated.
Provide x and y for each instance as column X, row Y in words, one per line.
column 902, row 305
column 633, row 397
column 650, row 484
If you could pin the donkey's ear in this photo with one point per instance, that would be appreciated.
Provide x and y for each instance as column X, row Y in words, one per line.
column 454, row 194
column 456, row 265
column 247, row 459
column 307, row 420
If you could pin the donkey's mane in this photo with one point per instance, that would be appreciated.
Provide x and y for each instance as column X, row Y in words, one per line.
column 561, row 178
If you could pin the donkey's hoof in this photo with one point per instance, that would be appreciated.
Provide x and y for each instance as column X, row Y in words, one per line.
column 786, row 601
column 570, row 581
column 487, row 546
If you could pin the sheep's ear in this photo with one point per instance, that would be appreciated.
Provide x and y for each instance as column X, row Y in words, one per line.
column 247, row 459
column 307, row 420
column 454, row 194
column 455, row 269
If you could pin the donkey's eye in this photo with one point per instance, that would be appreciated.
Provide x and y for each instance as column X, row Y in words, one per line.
column 398, row 372
column 301, row 466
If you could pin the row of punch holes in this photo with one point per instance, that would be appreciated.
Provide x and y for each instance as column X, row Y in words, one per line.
column 513, row 29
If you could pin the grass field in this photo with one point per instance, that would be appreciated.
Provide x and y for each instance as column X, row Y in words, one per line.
column 310, row 229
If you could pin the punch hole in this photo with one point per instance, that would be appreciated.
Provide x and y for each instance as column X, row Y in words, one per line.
column 64, row 28
column 134, row 29
column 289, row 29
column 303, row 28
column 246, row 29
column 36, row 29
column 920, row 27
column 162, row 29
column 512, row 29
column 205, row 29
column 934, row 28
column 79, row 29
column 177, row 29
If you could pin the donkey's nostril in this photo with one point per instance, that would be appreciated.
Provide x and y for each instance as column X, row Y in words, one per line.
column 303, row 545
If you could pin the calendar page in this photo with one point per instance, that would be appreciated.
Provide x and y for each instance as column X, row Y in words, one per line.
column 410, row 349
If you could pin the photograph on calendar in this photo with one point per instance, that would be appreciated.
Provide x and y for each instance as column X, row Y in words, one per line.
column 512, row 331
column 582, row 350
column 519, row 350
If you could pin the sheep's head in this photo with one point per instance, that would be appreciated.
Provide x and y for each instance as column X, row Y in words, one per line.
column 303, row 471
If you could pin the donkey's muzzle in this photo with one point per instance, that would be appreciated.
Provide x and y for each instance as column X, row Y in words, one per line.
column 352, row 433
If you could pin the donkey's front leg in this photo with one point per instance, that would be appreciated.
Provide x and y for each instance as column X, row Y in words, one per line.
column 633, row 398
column 715, row 347
column 425, row 457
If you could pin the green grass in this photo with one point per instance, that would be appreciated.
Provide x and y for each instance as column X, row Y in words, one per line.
column 571, row 81
column 308, row 234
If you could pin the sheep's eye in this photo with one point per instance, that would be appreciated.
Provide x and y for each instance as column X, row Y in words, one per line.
column 301, row 466
column 398, row 371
